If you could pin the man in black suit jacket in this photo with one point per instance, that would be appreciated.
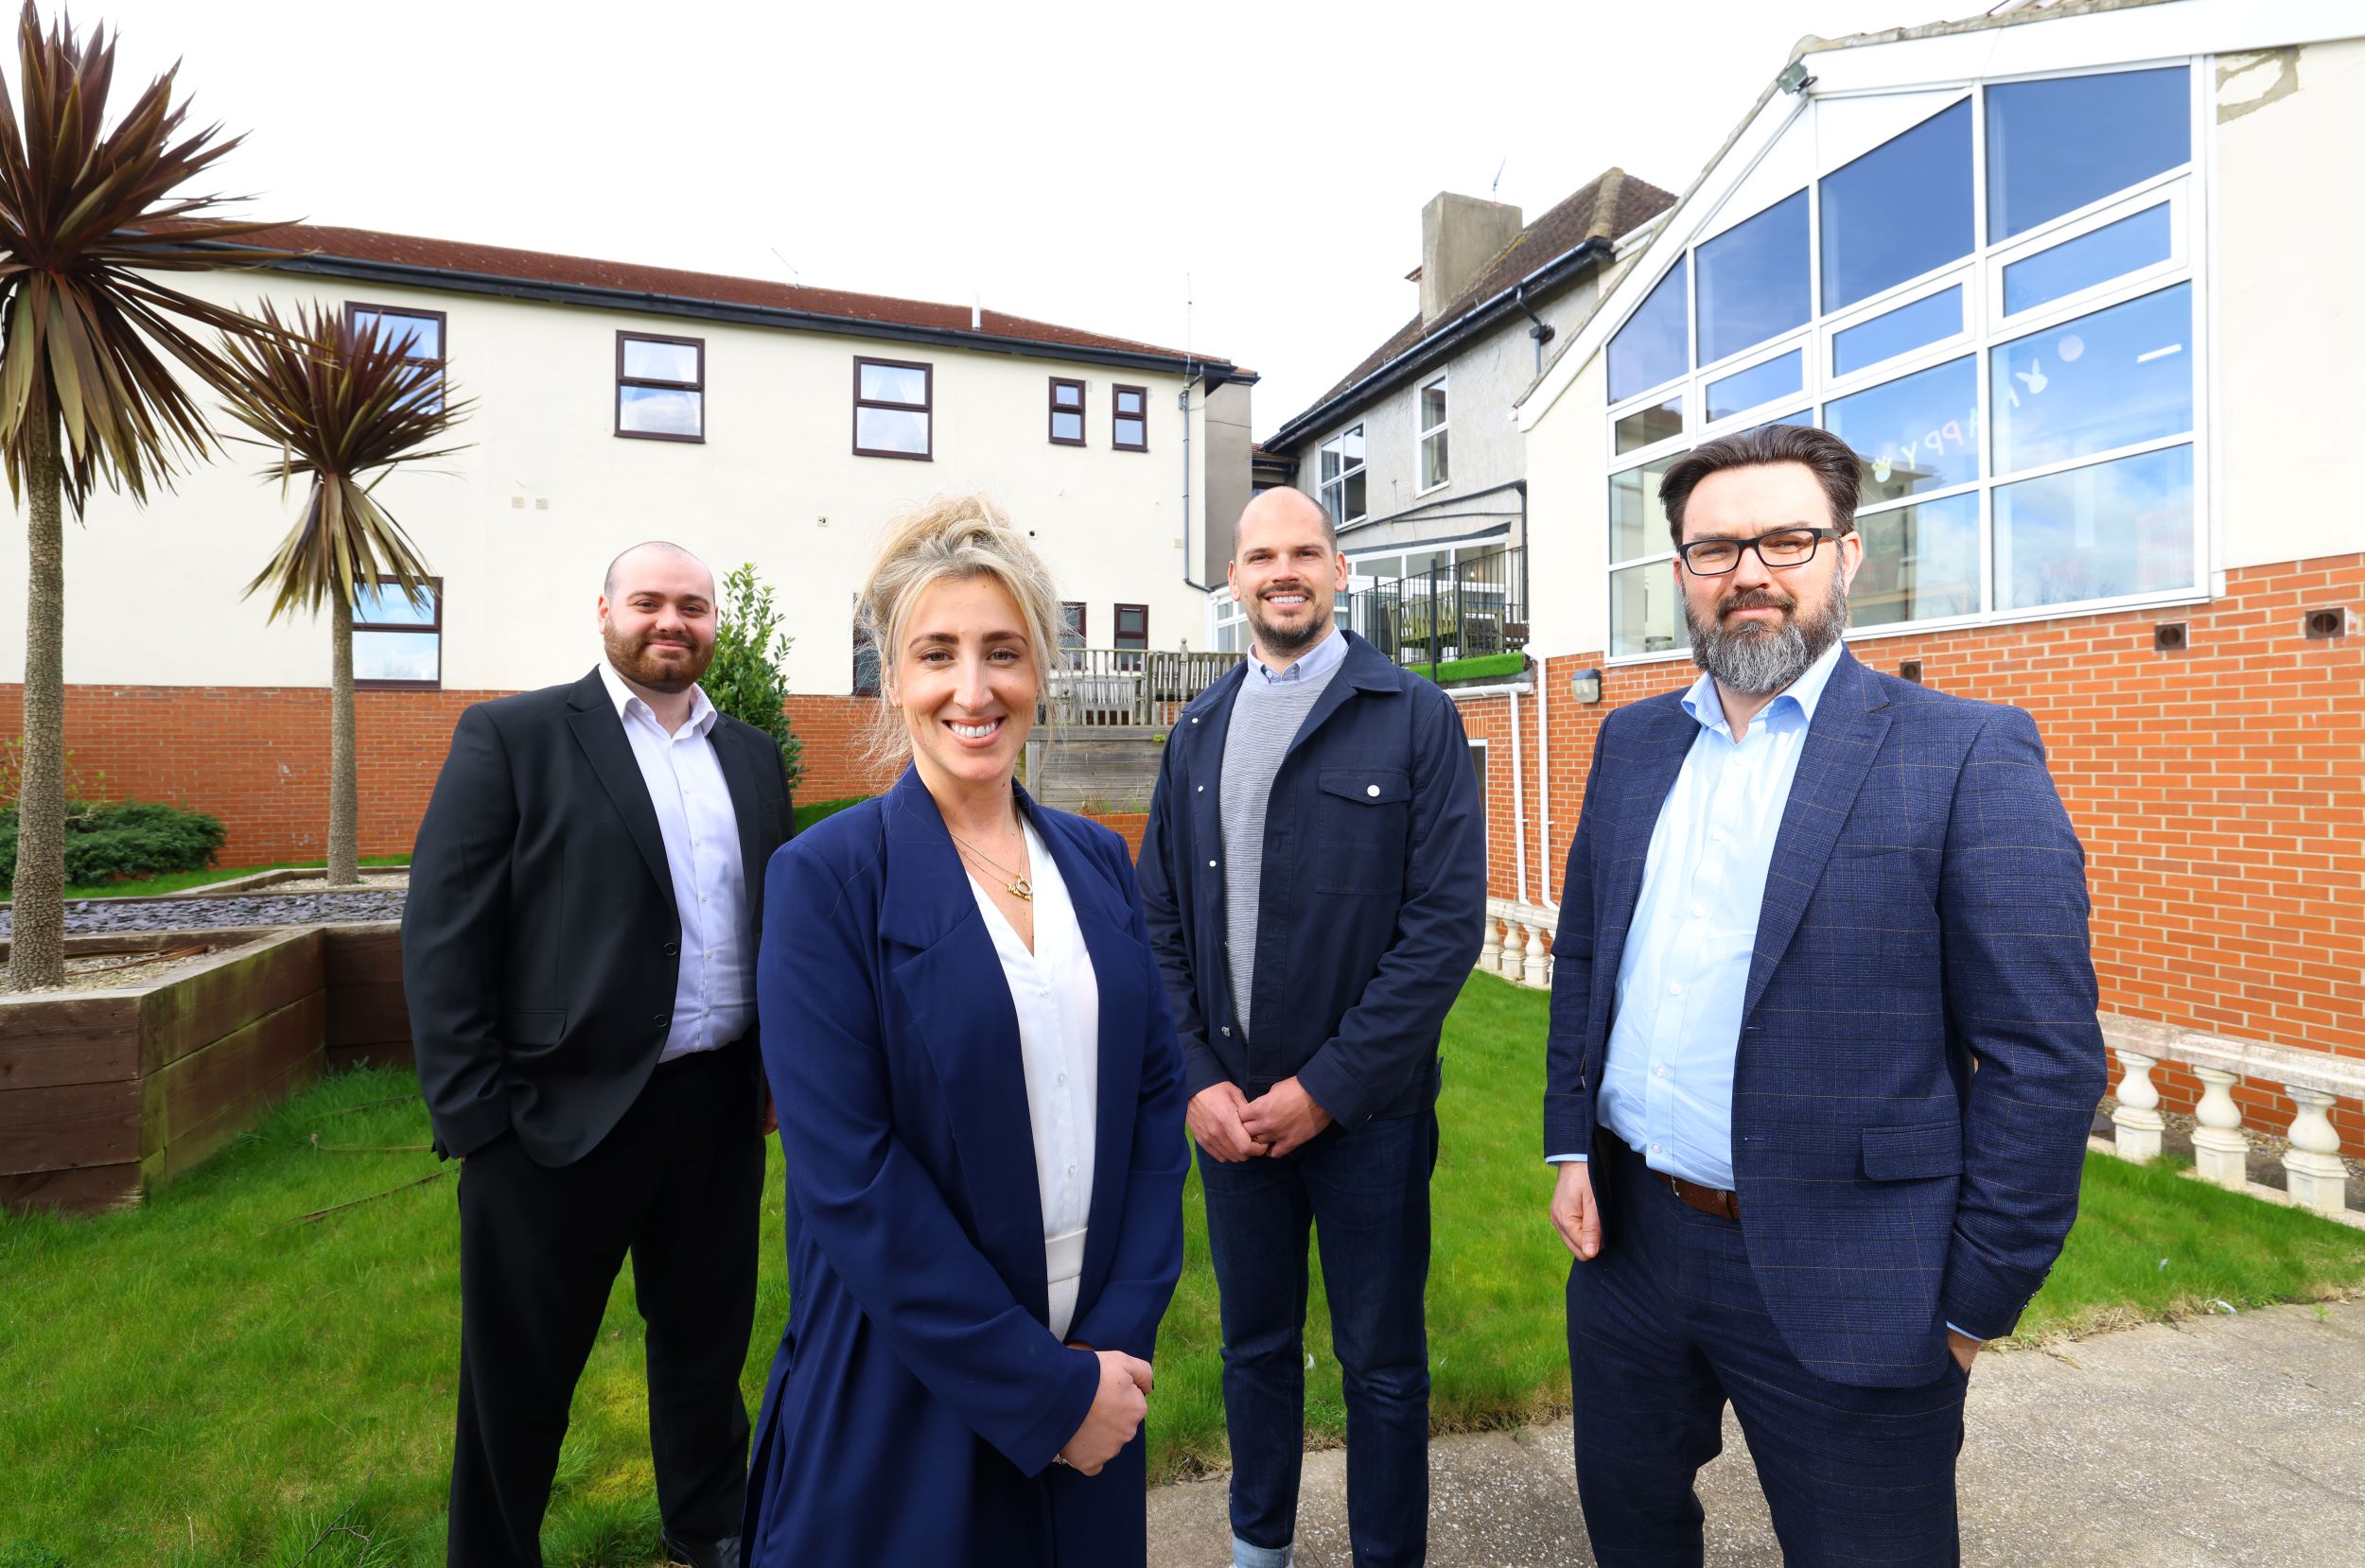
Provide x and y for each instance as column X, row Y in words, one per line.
column 578, row 953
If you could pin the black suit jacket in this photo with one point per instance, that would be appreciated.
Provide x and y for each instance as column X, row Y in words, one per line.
column 540, row 944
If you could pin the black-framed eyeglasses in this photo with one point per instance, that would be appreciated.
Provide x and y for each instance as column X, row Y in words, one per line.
column 1783, row 546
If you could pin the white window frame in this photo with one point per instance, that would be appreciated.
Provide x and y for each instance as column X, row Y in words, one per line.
column 1985, row 328
column 1323, row 487
column 1422, row 436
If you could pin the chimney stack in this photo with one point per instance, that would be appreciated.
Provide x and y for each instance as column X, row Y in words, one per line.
column 1459, row 235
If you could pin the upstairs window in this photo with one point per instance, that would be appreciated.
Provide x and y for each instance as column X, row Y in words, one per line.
column 1071, row 627
column 660, row 387
column 1067, row 412
column 423, row 333
column 1132, row 626
column 1342, row 477
column 894, row 409
column 1436, row 460
column 398, row 637
column 1129, row 427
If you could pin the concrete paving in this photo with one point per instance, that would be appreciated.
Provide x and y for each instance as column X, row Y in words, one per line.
column 2219, row 1441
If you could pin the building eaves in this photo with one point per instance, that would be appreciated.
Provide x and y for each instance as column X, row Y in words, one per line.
column 462, row 266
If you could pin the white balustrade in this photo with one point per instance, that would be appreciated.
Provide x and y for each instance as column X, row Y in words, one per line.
column 2312, row 1172
column 2137, row 1117
column 1512, row 964
column 1538, row 966
column 1519, row 942
column 2220, row 1153
column 1490, row 952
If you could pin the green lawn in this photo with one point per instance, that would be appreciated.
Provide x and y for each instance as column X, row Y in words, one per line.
column 204, row 1382
column 1472, row 669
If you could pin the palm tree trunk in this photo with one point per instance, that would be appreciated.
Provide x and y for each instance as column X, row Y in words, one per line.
column 37, row 922
column 345, row 784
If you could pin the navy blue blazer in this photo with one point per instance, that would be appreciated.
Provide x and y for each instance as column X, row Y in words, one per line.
column 918, row 1397
column 1371, row 908
column 1920, row 1058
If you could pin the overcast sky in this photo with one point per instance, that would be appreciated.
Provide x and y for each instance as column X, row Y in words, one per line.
column 1094, row 166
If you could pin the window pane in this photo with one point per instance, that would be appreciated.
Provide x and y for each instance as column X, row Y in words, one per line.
column 1642, row 613
column 386, row 604
column 890, row 430
column 660, row 411
column 893, row 384
column 1351, row 488
column 865, row 664
column 1432, row 407
column 425, row 332
column 1919, row 433
column 1645, row 426
column 1898, row 331
column 1919, row 562
column 1798, row 416
column 2110, row 379
column 1638, row 525
column 1435, row 469
column 1132, row 432
column 1753, row 280
column 1898, row 211
column 1129, row 402
column 1351, row 448
column 1779, row 376
column 2116, row 528
column 2055, row 145
column 426, row 383
column 1068, row 395
column 1066, row 426
column 646, row 362
column 396, row 657
column 2089, row 259
column 1654, row 345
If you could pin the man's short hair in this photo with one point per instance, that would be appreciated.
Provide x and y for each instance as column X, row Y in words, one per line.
column 1831, row 461
column 663, row 546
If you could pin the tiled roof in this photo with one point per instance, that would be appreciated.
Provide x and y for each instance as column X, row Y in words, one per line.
column 496, row 261
column 1614, row 203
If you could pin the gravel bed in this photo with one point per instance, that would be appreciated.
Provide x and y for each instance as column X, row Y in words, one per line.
column 89, row 917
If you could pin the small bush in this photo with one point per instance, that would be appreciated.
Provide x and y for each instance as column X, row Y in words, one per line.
column 129, row 839
column 745, row 679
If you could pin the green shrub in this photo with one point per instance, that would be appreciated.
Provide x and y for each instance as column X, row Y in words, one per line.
column 127, row 839
column 745, row 679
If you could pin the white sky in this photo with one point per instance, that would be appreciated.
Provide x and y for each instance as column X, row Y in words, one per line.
column 1072, row 162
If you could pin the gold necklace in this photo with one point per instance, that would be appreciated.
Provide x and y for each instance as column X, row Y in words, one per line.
column 1018, row 884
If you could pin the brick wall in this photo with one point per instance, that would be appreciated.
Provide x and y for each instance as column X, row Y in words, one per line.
column 2220, row 792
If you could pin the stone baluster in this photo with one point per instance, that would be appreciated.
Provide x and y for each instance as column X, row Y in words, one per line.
column 1514, row 948
column 1491, row 955
column 2137, row 1118
column 2313, row 1173
column 1537, row 970
column 2220, row 1153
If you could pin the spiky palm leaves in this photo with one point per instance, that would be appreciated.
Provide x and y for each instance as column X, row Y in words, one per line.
column 339, row 401
column 88, row 390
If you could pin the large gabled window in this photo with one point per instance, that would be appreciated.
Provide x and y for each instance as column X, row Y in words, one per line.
column 2004, row 324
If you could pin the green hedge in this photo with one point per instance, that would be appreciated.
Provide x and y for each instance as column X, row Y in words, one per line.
column 129, row 839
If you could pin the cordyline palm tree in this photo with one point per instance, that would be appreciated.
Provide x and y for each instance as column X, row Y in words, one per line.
column 87, row 217
column 339, row 400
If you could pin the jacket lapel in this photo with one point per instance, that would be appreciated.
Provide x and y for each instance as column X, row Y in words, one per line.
column 1845, row 736
column 601, row 734
column 960, row 1007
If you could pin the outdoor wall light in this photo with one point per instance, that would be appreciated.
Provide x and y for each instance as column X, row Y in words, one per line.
column 1585, row 686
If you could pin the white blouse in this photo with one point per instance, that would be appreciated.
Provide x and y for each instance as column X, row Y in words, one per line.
column 1057, row 997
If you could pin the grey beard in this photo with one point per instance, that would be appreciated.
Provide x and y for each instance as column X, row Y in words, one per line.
column 1760, row 663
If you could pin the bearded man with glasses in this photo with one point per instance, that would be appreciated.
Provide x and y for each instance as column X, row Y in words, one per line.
column 1823, row 1048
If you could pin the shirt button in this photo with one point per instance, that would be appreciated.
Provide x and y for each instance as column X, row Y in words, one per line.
column 1674, row 989
column 1700, row 911
column 1063, row 1077
column 1655, row 1148
column 1071, row 1169
column 1717, row 833
column 1371, row 789
column 1661, row 1072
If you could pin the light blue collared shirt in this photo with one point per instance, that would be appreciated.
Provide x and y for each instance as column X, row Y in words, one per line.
column 1317, row 661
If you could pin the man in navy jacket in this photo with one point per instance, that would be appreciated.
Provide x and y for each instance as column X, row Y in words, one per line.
column 1314, row 877
column 1823, row 1047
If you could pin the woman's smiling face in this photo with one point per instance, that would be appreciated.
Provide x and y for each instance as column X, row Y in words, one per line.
column 965, row 679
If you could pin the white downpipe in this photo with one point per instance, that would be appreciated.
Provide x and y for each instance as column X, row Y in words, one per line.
column 1544, row 780
column 1518, row 768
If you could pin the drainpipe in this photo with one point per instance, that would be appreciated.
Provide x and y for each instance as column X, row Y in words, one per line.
column 1537, row 328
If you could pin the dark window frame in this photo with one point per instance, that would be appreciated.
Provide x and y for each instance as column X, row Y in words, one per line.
column 1116, row 407
column 926, row 407
column 1118, row 634
column 442, row 362
column 1083, row 618
column 1083, row 432
column 699, row 386
column 862, row 645
column 435, row 626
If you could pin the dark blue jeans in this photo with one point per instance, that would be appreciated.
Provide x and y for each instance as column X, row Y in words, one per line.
column 1365, row 1193
column 1664, row 1326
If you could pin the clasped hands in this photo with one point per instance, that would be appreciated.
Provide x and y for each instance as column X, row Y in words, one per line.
column 1233, row 1127
column 1118, row 1405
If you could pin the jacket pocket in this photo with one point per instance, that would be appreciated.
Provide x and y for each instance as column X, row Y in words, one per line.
column 1363, row 820
column 537, row 1028
column 1914, row 1153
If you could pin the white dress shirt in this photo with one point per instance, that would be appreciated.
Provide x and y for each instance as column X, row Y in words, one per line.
column 1057, row 997
column 713, row 995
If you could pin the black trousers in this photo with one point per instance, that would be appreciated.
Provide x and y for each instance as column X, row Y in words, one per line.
column 676, row 1185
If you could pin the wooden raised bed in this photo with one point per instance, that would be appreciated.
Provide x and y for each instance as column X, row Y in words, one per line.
column 105, row 1093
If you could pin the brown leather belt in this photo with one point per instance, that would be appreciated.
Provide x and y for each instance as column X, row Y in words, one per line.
column 1708, row 1200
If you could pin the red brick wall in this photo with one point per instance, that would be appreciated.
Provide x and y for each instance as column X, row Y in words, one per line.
column 2220, row 792
column 835, row 733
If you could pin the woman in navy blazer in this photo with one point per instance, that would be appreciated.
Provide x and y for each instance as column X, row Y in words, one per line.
column 920, row 1409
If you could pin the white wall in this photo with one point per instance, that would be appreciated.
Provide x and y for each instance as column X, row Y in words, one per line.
column 522, row 523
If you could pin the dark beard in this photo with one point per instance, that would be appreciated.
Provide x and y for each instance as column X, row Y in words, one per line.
column 1760, row 661
column 1274, row 640
column 632, row 660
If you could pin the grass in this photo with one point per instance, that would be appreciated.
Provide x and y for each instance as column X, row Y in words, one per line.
column 201, row 1383
column 181, row 881
column 1474, row 669
column 806, row 815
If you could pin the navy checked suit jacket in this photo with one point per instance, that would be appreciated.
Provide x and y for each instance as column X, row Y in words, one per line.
column 1920, row 1058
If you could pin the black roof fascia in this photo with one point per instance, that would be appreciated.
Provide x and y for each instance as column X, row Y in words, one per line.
column 1479, row 319
column 594, row 297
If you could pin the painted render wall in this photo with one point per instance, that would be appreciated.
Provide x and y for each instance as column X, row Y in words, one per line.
column 522, row 522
